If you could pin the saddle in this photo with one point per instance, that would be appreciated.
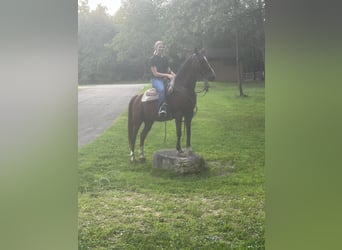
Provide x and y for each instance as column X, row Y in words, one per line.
column 152, row 94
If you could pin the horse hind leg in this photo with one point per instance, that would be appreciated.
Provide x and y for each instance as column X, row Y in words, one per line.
column 133, row 140
column 134, row 128
column 144, row 132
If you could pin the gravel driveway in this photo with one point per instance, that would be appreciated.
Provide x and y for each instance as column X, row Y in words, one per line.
column 99, row 106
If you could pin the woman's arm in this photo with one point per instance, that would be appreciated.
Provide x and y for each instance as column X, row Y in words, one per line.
column 171, row 72
column 158, row 74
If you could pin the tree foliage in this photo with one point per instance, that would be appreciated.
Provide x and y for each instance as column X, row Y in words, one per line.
column 117, row 48
column 95, row 30
column 139, row 27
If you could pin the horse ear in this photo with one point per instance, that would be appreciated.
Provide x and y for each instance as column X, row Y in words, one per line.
column 196, row 51
column 202, row 51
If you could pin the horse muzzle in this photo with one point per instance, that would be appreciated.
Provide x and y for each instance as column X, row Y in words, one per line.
column 211, row 77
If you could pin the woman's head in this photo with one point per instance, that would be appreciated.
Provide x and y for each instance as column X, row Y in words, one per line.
column 158, row 47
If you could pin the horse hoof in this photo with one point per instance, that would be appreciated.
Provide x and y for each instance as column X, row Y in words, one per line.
column 189, row 151
column 181, row 153
column 142, row 160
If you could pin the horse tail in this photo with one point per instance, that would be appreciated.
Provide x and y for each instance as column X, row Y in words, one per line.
column 130, row 120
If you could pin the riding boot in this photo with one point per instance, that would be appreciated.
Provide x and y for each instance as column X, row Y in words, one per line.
column 163, row 110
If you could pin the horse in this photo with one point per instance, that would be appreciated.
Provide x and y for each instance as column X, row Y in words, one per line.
column 181, row 104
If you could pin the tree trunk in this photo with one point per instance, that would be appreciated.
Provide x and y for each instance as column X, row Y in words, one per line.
column 237, row 56
column 238, row 71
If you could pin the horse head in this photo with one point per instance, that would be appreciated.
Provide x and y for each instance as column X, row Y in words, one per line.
column 204, row 69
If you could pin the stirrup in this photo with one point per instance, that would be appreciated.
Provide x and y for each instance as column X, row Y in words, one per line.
column 162, row 111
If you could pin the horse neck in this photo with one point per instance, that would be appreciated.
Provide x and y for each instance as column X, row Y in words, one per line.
column 186, row 77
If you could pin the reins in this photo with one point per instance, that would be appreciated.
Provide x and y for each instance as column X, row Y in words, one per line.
column 165, row 132
column 205, row 88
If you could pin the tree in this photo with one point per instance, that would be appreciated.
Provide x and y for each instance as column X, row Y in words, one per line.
column 118, row 48
column 139, row 27
column 240, row 25
column 253, row 36
column 95, row 30
column 245, row 18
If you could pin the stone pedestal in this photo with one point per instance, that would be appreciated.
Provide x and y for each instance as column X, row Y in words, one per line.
column 184, row 163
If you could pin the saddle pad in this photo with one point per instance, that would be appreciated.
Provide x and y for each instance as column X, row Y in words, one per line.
column 150, row 95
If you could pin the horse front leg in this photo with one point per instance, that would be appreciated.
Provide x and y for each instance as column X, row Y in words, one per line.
column 187, row 121
column 178, row 121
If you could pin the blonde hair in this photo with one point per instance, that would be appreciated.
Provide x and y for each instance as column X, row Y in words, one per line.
column 156, row 45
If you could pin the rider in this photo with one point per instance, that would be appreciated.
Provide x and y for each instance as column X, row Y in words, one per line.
column 160, row 69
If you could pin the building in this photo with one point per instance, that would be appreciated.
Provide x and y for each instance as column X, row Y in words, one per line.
column 224, row 64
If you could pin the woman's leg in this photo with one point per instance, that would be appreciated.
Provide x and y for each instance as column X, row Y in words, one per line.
column 159, row 86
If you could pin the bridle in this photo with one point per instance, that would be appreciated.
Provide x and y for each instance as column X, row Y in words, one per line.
column 202, row 75
column 205, row 88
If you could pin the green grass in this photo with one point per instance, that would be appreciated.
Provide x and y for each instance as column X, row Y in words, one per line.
column 133, row 206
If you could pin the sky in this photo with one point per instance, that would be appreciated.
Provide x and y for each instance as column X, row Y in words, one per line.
column 112, row 5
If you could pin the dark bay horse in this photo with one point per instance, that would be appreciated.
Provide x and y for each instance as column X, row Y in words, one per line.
column 181, row 103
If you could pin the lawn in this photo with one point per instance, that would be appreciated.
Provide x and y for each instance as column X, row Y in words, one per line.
column 133, row 206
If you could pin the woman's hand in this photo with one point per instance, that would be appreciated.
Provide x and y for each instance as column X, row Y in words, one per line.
column 170, row 76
